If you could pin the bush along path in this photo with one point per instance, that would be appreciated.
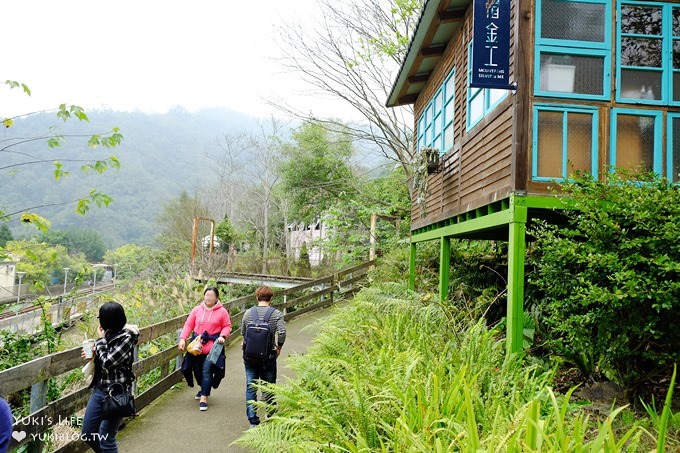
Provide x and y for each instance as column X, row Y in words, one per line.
column 392, row 372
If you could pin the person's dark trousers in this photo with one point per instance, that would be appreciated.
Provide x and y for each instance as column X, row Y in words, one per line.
column 203, row 374
column 265, row 371
column 99, row 434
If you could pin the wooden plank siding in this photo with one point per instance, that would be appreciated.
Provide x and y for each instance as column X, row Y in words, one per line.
column 479, row 168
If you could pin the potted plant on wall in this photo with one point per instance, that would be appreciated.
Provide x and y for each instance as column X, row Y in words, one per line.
column 427, row 162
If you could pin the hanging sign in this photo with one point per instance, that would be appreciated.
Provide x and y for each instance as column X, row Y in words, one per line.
column 491, row 45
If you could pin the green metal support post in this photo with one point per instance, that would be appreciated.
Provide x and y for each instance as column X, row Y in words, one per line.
column 412, row 268
column 444, row 268
column 516, row 247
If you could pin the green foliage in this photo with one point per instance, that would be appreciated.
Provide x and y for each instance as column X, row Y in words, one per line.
column 416, row 380
column 16, row 147
column 44, row 263
column 349, row 218
column 86, row 242
column 5, row 235
column 316, row 170
column 226, row 233
column 176, row 225
column 130, row 260
column 610, row 278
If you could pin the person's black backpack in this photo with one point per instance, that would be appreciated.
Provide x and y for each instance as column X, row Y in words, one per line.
column 258, row 340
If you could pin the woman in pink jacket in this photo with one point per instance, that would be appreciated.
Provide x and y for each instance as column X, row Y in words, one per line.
column 211, row 321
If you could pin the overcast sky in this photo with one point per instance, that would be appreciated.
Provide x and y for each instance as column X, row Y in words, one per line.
column 149, row 55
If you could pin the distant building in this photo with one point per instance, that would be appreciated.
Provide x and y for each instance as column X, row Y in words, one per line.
column 309, row 234
column 7, row 279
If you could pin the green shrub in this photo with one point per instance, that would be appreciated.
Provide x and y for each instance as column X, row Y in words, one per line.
column 610, row 278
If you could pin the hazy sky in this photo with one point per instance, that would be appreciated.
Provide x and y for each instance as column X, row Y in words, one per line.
column 149, row 55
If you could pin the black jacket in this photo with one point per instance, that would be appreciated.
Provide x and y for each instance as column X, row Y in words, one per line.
column 191, row 372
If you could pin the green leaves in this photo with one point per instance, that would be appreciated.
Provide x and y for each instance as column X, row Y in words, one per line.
column 610, row 279
column 66, row 111
column 14, row 84
column 100, row 199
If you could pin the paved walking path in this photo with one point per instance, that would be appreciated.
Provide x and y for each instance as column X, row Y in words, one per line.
column 173, row 422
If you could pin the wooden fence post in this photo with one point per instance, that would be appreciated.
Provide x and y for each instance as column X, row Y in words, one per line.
column 38, row 401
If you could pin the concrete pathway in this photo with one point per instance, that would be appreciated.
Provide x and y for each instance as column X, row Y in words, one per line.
column 173, row 422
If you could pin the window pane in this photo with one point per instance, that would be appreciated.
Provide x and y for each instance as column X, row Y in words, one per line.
column 476, row 108
column 495, row 96
column 448, row 112
column 676, row 86
column 428, row 115
column 676, row 21
column 438, row 102
column 571, row 74
column 437, row 125
column 641, row 20
column 675, row 177
column 450, row 87
column 579, row 142
column 676, row 54
column 640, row 84
column 428, row 136
column 448, row 138
column 635, row 142
column 573, row 21
column 641, row 52
column 549, row 144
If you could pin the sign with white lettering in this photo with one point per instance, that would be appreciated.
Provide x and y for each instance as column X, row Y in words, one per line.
column 491, row 45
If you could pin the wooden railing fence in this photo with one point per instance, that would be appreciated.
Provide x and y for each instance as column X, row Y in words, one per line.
column 35, row 374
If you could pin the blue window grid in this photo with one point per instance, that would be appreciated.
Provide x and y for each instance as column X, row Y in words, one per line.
column 473, row 93
column 565, row 164
column 666, row 54
column 657, row 164
column 434, row 120
column 575, row 48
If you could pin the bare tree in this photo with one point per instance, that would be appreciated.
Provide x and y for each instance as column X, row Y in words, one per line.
column 260, row 204
column 223, row 198
column 353, row 54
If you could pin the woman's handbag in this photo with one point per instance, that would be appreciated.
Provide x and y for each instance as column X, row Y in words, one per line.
column 196, row 346
column 120, row 402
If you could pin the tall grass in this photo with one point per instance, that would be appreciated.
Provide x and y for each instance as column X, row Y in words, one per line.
column 392, row 373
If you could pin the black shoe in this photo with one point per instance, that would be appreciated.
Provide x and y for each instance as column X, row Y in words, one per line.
column 198, row 395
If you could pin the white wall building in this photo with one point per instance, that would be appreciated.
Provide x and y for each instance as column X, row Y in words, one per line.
column 312, row 235
column 8, row 271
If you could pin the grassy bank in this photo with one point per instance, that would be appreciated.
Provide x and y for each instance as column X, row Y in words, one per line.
column 393, row 372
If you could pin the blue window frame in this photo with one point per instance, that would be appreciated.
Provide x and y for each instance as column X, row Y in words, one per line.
column 673, row 149
column 573, row 49
column 480, row 101
column 648, row 53
column 636, row 140
column 564, row 141
column 435, row 126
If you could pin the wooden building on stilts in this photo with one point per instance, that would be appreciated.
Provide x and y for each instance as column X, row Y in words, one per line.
column 594, row 84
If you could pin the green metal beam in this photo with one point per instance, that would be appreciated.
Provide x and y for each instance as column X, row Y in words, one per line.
column 538, row 201
column 412, row 267
column 515, row 310
column 480, row 223
column 444, row 268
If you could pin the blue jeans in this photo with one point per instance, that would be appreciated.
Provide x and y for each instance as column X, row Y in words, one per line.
column 202, row 373
column 265, row 371
column 99, row 434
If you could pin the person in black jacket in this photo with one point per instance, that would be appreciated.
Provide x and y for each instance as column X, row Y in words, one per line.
column 113, row 357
